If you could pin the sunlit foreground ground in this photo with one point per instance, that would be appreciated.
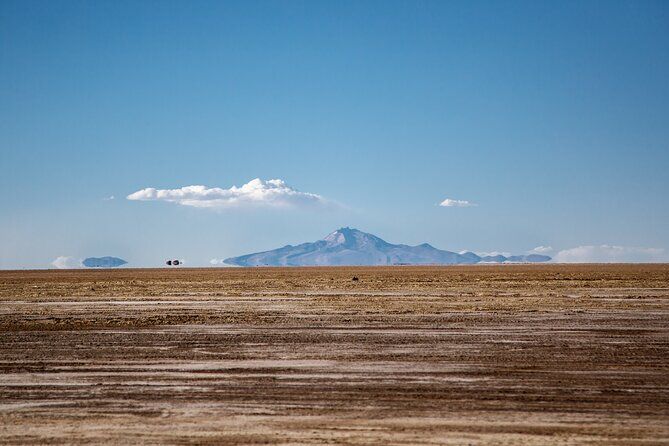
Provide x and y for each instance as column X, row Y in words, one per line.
column 406, row 355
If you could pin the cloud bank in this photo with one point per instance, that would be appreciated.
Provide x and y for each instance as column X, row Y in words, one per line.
column 255, row 193
column 610, row 254
column 451, row 203
column 67, row 262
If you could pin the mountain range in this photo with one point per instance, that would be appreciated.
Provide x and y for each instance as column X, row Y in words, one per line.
column 347, row 246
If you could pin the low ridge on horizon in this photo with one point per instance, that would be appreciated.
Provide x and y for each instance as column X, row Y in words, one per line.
column 351, row 247
column 103, row 262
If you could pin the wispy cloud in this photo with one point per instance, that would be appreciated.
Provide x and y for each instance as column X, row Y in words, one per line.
column 452, row 203
column 541, row 250
column 255, row 193
column 610, row 254
column 109, row 198
column 66, row 262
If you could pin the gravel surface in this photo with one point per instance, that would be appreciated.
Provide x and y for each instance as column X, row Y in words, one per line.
column 504, row 354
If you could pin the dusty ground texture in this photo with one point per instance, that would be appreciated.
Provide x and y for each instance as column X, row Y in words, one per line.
column 533, row 355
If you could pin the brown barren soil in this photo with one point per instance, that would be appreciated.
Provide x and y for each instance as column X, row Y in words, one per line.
column 530, row 355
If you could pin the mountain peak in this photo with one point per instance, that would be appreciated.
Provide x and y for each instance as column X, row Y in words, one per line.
column 344, row 235
column 338, row 236
column 347, row 231
column 352, row 238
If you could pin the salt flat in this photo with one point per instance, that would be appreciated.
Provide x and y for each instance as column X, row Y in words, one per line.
column 507, row 354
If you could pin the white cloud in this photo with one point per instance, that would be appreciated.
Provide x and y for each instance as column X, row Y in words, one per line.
column 541, row 249
column 111, row 197
column 610, row 254
column 451, row 203
column 255, row 193
column 66, row 262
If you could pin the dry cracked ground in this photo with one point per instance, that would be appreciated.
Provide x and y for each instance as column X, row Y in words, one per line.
column 533, row 355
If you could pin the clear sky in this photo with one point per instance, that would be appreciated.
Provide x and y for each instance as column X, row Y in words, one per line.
column 551, row 119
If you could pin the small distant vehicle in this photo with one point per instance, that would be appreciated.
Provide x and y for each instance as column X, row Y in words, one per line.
column 173, row 262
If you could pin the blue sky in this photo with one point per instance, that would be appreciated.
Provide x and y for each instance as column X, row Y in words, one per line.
column 551, row 117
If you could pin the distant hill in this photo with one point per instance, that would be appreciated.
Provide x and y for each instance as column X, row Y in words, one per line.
column 347, row 246
column 103, row 262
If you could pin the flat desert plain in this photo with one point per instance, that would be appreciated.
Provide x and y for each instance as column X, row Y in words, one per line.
column 507, row 354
